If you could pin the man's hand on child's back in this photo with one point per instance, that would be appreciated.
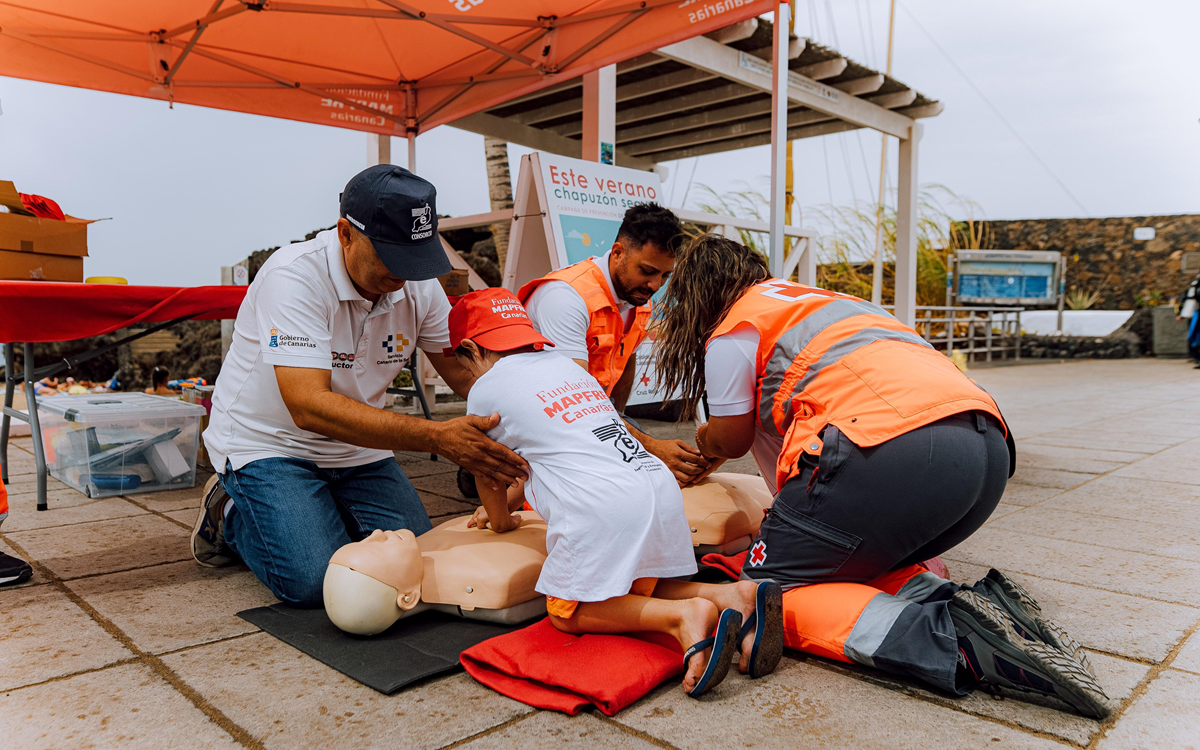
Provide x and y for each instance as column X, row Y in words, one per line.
column 481, row 521
column 465, row 442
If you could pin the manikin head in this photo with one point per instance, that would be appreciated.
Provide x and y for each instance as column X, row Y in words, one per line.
column 643, row 255
column 370, row 584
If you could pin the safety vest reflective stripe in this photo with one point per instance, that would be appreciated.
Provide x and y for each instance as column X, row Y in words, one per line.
column 829, row 358
column 795, row 340
column 609, row 345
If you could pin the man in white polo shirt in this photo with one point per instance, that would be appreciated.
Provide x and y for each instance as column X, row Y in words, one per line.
column 297, row 432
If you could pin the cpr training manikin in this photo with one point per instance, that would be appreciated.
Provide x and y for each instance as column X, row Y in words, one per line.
column 479, row 574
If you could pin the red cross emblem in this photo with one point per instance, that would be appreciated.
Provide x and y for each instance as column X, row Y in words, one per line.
column 646, row 380
column 758, row 553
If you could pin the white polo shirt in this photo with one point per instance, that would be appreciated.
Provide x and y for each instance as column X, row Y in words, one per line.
column 559, row 313
column 303, row 311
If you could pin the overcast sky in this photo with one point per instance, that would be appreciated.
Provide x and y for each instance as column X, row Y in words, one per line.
column 1103, row 91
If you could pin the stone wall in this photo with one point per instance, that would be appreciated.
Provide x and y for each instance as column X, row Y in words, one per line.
column 1102, row 254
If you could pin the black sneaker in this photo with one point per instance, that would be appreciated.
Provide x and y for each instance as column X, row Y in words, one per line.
column 13, row 570
column 208, row 535
column 997, row 655
column 1026, row 613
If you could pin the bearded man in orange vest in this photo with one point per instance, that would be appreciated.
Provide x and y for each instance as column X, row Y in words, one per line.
column 596, row 312
column 882, row 454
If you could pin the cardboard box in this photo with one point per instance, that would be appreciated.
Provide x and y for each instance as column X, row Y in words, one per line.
column 29, row 234
column 39, row 267
column 21, row 232
column 455, row 283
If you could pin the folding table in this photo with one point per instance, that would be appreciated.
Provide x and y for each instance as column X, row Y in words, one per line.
column 33, row 312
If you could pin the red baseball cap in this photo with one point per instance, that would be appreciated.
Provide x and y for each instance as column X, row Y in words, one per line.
column 494, row 319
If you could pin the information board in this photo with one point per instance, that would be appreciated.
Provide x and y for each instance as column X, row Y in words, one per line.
column 567, row 210
column 1008, row 277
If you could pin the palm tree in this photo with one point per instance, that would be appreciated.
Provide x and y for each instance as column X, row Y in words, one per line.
column 500, row 192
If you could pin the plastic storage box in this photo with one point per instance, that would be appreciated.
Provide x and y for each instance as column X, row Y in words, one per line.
column 120, row 443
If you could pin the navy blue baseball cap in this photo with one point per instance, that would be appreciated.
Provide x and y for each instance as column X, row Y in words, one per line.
column 397, row 211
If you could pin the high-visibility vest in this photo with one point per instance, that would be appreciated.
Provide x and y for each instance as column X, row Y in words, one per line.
column 609, row 346
column 828, row 358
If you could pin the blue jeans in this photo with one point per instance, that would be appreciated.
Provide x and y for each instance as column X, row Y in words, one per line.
column 290, row 516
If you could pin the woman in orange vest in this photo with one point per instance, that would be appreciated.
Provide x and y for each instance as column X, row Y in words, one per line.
column 882, row 453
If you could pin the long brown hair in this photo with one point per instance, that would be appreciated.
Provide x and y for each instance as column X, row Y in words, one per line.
column 711, row 273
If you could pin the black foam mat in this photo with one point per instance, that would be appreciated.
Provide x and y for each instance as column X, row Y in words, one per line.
column 414, row 648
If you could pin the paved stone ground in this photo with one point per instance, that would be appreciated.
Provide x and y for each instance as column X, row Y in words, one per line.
column 121, row 641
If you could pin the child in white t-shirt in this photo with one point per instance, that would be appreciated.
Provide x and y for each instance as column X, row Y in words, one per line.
column 616, row 526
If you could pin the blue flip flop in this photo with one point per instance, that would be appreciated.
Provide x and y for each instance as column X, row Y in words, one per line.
column 724, row 647
column 767, row 623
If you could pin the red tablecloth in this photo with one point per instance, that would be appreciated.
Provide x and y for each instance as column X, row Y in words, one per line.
column 36, row 311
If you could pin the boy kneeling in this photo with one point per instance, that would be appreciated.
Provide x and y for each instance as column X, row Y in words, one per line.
column 617, row 532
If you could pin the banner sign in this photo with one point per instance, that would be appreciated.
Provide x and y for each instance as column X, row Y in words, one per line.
column 568, row 210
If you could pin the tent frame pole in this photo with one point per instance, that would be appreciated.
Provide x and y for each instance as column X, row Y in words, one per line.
column 779, row 106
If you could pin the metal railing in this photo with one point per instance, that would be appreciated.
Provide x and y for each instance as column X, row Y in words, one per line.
column 980, row 332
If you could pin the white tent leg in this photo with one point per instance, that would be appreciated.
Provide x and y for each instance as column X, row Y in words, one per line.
column 600, row 114
column 906, row 229
column 379, row 149
column 412, row 152
column 779, row 105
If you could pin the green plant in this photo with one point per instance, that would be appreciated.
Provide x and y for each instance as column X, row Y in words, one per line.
column 1078, row 299
column 1147, row 298
column 845, row 240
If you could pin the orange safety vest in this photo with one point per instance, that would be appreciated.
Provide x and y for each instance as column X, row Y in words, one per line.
column 828, row 358
column 609, row 346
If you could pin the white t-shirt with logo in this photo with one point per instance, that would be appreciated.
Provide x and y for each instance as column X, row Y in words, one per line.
column 730, row 377
column 559, row 313
column 303, row 311
column 615, row 512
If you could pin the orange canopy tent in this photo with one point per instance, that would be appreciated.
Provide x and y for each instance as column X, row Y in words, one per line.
column 380, row 66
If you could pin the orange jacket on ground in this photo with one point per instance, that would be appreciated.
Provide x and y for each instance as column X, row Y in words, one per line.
column 609, row 346
column 828, row 358
column 3, row 501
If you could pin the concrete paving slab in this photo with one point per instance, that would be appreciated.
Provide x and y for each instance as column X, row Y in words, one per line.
column 185, row 517
column 1188, row 658
column 289, row 700
column 1029, row 457
column 173, row 499
column 437, row 505
column 1052, row 478
column 1016, row 493
column 20, row 463
column 46, row 635
column 418, row 464
column 1052, row 450
column 445, row 485
column 106, row 546
column 1129, row 626
column 172, row 606
column 804, row 705
column 127, row 707
column 1002, row 510
column 1121, row 571
column 547, row 730
column 1118, row 677
column 1166, row 716
column 1168, row 503
column 1180, row 464
column 66, row 507
column 1105, row 531
column 1141, row 444
column 28, row 483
